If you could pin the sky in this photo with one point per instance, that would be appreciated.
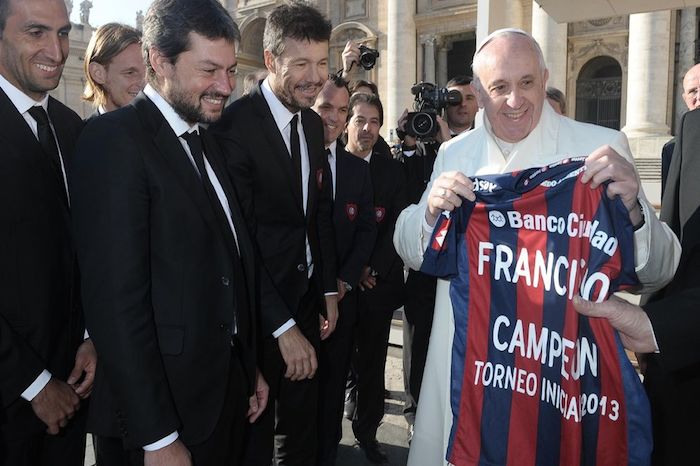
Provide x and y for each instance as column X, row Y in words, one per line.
column 105, row 11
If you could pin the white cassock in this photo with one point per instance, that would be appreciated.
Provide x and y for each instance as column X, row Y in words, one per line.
column 657, row 250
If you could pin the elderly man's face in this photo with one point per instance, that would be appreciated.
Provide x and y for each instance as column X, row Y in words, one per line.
column 512, row 87
column 691, row 88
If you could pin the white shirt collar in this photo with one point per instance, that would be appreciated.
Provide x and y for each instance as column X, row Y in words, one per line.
column 101, row 110
column 280, row 113
column 333, row 147
column 368, row 159
column 175, row 121
column 19, row 99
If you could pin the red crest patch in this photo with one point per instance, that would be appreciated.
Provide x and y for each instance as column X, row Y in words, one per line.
column 319, row 178
column 379, row 213
column 351, row 211
column 438, row 243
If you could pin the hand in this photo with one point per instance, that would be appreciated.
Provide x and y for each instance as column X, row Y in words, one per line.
column 631, row 321
column 351, row 54
column 85, row 362
column 605, row 164
column 298, row 355
column 331, row 316
column 55, row 405
column 401, row 124
column 444, row 132
column 258, row 401
column 445, row 194
column 367, row 281
column 175, row 454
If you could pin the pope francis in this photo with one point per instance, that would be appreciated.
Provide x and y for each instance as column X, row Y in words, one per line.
column 519, row 131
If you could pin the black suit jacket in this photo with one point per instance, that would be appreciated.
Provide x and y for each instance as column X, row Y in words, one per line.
column 353, row 216
column 672, row 377
column 390, row 198
column 40, row 319
column 261, row 168
column 158, row 281
column 666, row 154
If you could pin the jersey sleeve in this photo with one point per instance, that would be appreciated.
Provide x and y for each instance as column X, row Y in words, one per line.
column 440, row 258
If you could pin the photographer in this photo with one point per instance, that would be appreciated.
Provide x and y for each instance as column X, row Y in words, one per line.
column 418, row 158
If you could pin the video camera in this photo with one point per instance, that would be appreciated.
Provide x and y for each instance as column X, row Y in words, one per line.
column 429, row 100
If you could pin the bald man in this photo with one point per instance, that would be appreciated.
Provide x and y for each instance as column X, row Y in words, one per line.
column 691, row 97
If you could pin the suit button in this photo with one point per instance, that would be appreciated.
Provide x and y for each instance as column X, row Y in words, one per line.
column 225, row 281
column 301, row 267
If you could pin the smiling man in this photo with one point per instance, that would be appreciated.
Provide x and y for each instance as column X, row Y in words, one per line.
column 519, row 132
column 41, row 329
column 273, row 142
column 114, row 67
column 168, row 265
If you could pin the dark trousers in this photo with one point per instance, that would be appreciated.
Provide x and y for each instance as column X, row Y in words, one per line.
column 372, row 342
column 289, row 422
column 334, row 362
column 18, row 448
column 418, row 310
column 223, row 447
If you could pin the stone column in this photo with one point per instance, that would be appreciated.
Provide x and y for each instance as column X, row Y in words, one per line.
column 441, row 75
column 649, row 61
column 491, row 15
column 400, row 60
column 552, row 38
column 428, row 43
column 686, row 57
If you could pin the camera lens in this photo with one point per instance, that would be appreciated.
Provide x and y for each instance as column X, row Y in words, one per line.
column 367, row 60
column 422, row 124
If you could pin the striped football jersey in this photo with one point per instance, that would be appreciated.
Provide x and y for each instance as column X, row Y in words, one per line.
column 532, row 381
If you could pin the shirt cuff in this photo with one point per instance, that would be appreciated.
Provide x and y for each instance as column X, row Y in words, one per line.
column 331, row 293
column 86, row 335
column 285, row 326
column 37, row 386
column 409, row 153
column 162, row 443
column 642, row 240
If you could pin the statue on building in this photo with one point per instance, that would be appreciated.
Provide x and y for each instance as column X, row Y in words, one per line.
column 139, row 20
column 85, row 7
column 69, row 7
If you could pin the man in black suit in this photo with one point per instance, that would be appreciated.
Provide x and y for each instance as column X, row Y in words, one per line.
column 168, row 265
column 113, row 66
column 382, row 281
column 666, row 327
column 355, row 232
column 274, row 147
column 43, row 354
column 691, row 97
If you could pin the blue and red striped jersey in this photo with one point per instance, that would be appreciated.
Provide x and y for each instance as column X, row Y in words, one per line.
column 532, row 381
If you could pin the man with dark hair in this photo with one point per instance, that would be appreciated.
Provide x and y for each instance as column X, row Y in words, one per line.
column 364, row 86
column 43, row 352
column 381, row 282
column 169, row 266
column 274, row 147
column 355, row 232
column 113, row 66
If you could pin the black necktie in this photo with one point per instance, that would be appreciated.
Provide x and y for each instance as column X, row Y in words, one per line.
column 47, row 139
column 296, row 156
column 194, row 141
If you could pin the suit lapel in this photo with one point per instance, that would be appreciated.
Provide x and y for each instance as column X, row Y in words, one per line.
column 316, row 163
column 17, row 133
column 168, row 146
column 280, row 152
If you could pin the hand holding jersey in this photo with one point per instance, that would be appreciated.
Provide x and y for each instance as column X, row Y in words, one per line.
column 603, row 164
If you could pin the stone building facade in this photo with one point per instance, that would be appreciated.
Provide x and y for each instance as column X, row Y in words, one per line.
column 623, row 72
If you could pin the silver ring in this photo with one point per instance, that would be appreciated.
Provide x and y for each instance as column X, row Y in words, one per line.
column 443, row 193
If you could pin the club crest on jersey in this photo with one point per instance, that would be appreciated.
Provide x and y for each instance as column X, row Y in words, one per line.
column 438, row 243
column 379, row 213
column 351, row 211
column 319, row 178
